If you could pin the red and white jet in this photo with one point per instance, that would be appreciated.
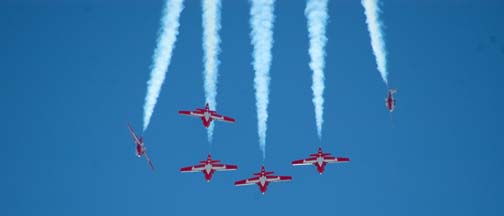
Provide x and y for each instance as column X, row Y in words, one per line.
column 390, row 101
column 208, row 167
column 207, row 115
column 262, row 179
column 320, row 160
column 140, row 147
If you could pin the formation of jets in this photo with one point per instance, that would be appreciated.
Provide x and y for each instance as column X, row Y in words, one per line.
column 262, row 179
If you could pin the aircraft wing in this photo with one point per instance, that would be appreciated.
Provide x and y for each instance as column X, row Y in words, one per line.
column 195, row 168
column 149, row 160
column 224, row 167
column 249, row 181
column 218, row 117
column 278, row 178
column 307, row 161
column 336, row 159
column 132, row 132
column 191, row 113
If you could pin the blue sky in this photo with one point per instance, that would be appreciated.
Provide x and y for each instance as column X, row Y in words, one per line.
column 74, row 73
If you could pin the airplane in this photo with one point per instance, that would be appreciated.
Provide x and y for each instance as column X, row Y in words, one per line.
column 208, row 167
column 390, row 101
column 207, row 115
column 320, row 160
column 262, row 179
column 141, row 150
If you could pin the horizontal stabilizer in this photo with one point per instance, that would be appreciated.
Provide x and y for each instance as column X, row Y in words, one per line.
column 265, row 173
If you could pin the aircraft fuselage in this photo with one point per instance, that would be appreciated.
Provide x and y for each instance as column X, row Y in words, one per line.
column 139, row 150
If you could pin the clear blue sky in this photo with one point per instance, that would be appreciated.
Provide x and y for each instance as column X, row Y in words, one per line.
column 74, row 73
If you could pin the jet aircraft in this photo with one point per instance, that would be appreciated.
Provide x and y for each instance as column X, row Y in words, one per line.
column 262, row 179
column 141, row 150
column 207, row 115
column 320, row 160
column 390, row 101
column 208, row 167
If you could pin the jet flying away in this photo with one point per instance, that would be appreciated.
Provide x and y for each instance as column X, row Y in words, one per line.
column 390, row 101
column 208, row 167
column 262, row 179
column 207, row 115
column 141, row 150
column 320, row 159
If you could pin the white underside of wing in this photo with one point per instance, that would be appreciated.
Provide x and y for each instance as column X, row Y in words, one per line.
column 249, row 182
column 195, row 169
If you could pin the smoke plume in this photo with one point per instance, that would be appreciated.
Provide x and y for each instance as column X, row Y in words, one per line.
column 261, row 22
column 211, row 40
column 162, row 55
column 372, row 11
column 316, row 13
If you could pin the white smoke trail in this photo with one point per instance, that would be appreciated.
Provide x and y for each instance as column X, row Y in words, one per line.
column 316, row 12
column 372, row 11
column 211, row 40
column 162, row 55
column 262, row 39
